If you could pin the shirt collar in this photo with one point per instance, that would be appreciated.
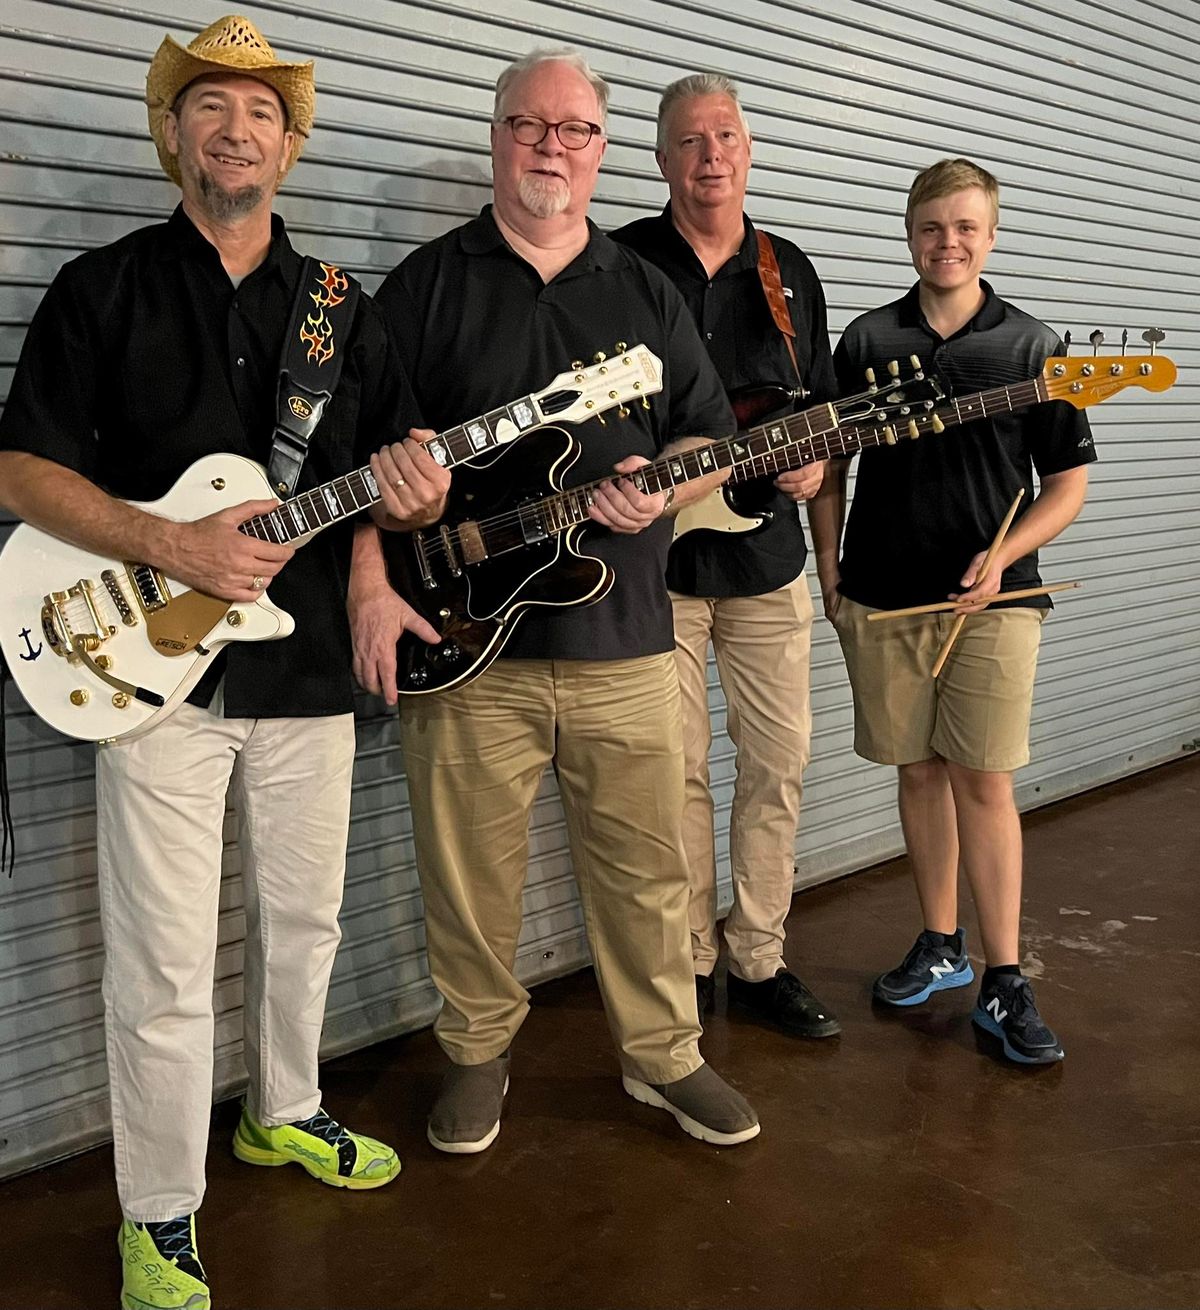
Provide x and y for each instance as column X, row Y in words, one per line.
column 990, row 313
column 481, row 236
column 672, row 239
column 186, row 241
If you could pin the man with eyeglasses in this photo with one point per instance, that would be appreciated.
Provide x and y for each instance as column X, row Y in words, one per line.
column 489, row 311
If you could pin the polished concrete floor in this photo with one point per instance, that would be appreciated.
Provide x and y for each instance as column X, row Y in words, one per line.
column 902, row 1165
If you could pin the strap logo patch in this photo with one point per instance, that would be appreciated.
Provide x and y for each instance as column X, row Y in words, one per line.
column 300, row 407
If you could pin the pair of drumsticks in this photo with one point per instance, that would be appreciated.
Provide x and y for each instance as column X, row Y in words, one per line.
column 989, row 559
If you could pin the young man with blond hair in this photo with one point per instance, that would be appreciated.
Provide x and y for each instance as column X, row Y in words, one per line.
column 923, row 517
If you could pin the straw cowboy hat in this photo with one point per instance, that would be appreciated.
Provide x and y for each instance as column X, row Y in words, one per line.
column 230, row 45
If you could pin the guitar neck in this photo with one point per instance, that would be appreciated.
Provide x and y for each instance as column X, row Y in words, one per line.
column 312, row 511
column 850, row 438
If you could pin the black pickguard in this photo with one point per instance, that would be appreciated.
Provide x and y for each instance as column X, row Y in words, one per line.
column 476, row 606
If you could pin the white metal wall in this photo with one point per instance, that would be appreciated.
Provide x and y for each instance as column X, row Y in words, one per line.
column 1086, row 111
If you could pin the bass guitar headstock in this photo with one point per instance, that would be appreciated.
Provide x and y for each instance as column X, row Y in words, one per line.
column 631, row 374
column 1082, row 382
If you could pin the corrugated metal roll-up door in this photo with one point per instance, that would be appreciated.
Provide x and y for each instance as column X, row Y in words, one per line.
column 1086, row 112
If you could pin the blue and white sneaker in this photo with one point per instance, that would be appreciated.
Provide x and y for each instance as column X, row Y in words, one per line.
column 926, row 969
column 1007, row 1010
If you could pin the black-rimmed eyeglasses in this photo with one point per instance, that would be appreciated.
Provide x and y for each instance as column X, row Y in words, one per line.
column 573, row 133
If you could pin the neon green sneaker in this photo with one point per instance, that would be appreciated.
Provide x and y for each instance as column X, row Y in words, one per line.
column 162, row 1269
column 326, row 1149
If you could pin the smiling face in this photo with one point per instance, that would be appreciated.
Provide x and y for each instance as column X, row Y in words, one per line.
column 546, row 180
column 951, row 238
column 230, row 135
column 707, row 155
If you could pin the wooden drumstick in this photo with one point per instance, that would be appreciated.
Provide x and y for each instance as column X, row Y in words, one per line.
column 941, row 606
column 984, row 568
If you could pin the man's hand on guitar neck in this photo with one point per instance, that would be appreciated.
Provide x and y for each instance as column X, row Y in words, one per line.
column 412, row 484
column 803, row 483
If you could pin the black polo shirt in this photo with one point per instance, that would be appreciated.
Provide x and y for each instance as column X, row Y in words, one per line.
column 735, row 323
column 143, row 357
column 476, row 327
column 923, row 509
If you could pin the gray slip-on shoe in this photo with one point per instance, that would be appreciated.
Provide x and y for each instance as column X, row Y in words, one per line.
column 703, row 1104
column 466, row 1115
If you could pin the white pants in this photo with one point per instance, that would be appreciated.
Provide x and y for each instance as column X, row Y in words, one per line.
column 160, row 803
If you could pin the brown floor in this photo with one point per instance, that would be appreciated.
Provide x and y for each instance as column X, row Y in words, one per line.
column 903, row 1164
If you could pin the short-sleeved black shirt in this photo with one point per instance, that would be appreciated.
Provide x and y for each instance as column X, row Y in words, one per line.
column 923, row 509
column 735, row 323
column 476, row 327
column 143, row 357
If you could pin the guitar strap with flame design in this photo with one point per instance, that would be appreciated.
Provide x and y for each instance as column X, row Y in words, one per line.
column 309, row 366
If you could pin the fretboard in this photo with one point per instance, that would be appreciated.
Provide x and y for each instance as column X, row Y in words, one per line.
column 850, row 438
column 313, row 510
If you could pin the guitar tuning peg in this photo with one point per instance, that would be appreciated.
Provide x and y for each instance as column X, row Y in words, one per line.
column 1124, row 339
column 622, row 412
column 600, row 419
column 599, row 357
column 1067, row 342
column 645, row 403
column 1097, row 340
column 915, row 361
column 1152, row 336
column 893, row 369
column 936, row 423
column 620, row 347
column 871, row 378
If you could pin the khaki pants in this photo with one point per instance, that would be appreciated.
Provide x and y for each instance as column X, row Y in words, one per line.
column 762, row 647
column 474, row 758
column 160, row 804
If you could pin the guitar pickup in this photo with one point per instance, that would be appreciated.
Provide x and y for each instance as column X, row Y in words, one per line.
column 533, row 525
column 470, row 539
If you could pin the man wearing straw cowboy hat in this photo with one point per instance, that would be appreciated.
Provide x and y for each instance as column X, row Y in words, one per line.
column 144, row 356
column 922, row 517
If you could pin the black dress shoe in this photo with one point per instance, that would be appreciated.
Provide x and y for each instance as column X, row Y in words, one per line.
column 706, row 993
column 785, row 1001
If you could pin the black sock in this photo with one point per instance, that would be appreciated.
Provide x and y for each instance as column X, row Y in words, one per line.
column 953, row 940
column 994, row 973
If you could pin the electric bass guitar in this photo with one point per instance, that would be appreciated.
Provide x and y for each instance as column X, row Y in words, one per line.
column 1079, row 381
column 104, row 648
column 510, row 538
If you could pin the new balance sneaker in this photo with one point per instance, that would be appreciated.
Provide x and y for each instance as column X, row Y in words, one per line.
column 319, row 1145
column 927, row 968
column 1007, row 1010
column 703, row 1104
column 465, row 1118
column 785, row 1001
column 161, row 1268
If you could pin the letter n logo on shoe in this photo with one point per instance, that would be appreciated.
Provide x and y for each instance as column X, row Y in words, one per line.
column 997, row 1012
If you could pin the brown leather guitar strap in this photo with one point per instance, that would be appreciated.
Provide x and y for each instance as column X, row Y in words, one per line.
column 772, row 285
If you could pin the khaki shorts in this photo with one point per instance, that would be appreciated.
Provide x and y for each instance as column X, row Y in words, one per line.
column 976, row 713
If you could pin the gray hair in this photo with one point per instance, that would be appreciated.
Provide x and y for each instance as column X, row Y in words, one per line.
column 558, row 55
column 690, row 88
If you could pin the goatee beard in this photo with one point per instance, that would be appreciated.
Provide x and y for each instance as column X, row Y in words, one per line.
column 224, row 206
column 543, row 197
